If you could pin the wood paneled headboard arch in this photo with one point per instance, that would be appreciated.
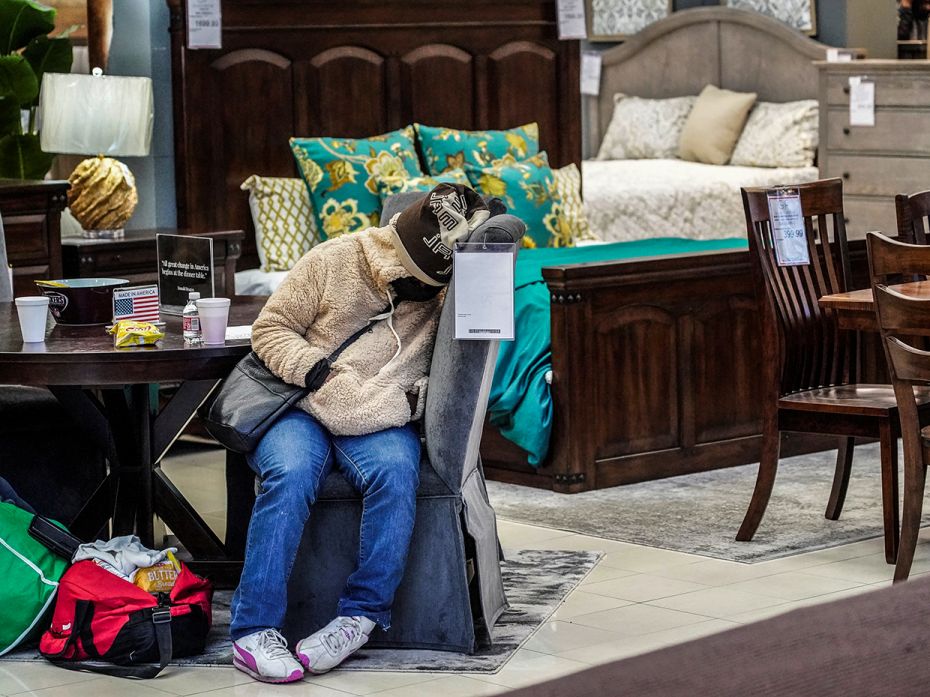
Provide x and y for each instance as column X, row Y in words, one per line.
column 353, row 69
column 734, row 49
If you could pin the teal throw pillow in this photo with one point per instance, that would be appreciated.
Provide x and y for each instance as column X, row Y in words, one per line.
column 388, row 186
column 342, row 176
column 528, row 190
column 448, row 148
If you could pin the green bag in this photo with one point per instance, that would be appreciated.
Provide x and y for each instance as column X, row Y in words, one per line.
column 29, row 575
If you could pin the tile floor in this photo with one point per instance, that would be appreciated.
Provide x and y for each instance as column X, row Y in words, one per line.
column 637, row 599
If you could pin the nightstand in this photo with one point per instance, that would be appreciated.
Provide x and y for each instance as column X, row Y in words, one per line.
column 31, row 212
column 134, row 257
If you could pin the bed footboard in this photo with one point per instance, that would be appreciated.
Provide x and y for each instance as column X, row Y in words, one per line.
column 657, row 372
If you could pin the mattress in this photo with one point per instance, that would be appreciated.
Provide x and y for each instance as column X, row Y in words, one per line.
column 638, row 199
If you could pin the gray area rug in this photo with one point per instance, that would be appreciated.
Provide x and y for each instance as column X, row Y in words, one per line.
column 700, row 513
column 536, row 581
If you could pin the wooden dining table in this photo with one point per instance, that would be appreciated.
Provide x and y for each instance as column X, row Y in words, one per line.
column 114, row 395
column 855, row 309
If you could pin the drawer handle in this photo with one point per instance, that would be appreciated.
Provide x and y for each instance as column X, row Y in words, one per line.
column 846, row 89
column 845, row 131
column 845, row 175
column 845, row 220
column 118, row 257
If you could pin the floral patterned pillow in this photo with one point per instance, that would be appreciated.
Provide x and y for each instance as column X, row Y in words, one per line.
column 388, row 186
column 528, row 190
column 448, row 148
column 645, row 129
column 342, row 176
column 779, row 135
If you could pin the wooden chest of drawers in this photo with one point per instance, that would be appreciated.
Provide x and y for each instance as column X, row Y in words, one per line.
column 31, row 212
column 134, row 257
column 876, row 162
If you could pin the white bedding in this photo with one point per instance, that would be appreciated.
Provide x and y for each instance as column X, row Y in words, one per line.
column 637, row 199
column 258, row 282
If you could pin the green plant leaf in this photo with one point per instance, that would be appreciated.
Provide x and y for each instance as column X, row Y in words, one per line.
column 17, row 79
column 10, row 117
column 47, row 55
column 21, row 21
column 22, row 158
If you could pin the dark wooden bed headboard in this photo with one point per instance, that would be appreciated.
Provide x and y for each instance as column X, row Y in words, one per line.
column 356, row 68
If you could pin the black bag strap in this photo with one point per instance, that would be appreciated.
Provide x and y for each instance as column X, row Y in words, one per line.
column 355, row 337
column 161, row 619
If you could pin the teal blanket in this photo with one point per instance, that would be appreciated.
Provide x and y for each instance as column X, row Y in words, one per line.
column 520, row 403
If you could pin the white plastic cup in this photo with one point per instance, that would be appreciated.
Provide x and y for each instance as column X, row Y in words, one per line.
column 33, row 314
column 214, row 315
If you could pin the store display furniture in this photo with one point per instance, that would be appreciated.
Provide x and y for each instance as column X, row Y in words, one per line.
column 134, row 257
column 31, row 213
column 903, row 316
column 811, row 366
column 876, row 162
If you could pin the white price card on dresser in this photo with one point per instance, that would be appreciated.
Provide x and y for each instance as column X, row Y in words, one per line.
column 483, row 290
column 861, row 101
column 204, row 24
column 571, row 16
column 788, row 231
column 590, row 73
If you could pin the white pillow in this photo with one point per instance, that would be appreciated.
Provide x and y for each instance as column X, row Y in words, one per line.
column 285, row 227
column 779, row 135
column 645, row 129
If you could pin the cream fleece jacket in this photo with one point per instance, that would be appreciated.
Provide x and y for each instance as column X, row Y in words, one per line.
column 330, row 294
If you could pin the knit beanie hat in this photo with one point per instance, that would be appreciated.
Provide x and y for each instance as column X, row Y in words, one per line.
column 425, row 232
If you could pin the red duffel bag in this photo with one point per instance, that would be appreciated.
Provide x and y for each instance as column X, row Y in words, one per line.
column 105, row 624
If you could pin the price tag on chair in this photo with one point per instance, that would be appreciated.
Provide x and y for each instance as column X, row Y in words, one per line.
column 788, row 231
column 483, row 274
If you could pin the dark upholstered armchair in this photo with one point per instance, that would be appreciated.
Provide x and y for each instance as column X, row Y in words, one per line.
column 452, row 593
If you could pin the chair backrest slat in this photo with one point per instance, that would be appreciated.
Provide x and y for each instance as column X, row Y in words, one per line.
column 814, row 352
column 912, row 213
column 902, row 319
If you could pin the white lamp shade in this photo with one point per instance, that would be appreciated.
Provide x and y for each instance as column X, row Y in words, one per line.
column 96, row 114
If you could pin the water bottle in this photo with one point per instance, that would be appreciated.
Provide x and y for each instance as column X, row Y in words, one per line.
column 191, row 319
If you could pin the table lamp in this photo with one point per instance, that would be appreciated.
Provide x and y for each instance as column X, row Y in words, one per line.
column 100, row 115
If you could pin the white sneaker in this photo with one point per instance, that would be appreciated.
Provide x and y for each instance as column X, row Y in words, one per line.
column 327, row 648
column 265, row 657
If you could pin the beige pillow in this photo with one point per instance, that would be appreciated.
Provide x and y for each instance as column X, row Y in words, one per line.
column 779, row 135
column 714, row 125
column 642, row 129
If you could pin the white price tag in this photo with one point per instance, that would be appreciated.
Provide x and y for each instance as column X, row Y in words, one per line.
column 571, row 19
column 788, row 229
column 484, row 290
column 204, row 24
column 591, row 73
column 836, row 55
column 861, row 102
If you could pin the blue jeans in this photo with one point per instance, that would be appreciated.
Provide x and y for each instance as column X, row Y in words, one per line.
column 292, row 461
column 8, row 495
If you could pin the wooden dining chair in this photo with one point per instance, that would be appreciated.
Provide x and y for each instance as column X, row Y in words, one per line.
column 903, row 320
column 912, row 212
column 812, row 364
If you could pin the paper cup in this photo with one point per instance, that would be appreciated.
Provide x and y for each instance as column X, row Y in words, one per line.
column 33, row 314
column 214, row 315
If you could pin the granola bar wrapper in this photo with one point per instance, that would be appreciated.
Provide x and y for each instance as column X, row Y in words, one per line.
column 128, row 332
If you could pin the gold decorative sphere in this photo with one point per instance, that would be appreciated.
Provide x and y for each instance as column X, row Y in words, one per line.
column 103, row 194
